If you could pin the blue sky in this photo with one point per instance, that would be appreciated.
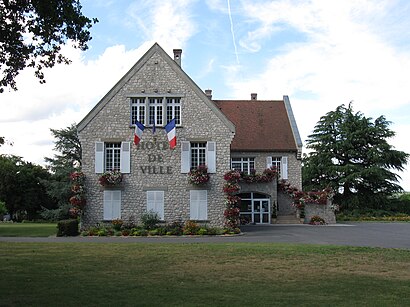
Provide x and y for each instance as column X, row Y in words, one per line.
column 320, row 53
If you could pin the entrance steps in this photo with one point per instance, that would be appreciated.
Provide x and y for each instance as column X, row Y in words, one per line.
column 287, row 219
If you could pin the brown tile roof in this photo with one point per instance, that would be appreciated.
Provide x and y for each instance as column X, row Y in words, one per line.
column 261, row 125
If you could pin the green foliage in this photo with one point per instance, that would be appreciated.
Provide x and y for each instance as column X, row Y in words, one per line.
column 350, row 154
column 67, row 228
column 191, row 228
column 3, row 209
column 49, row 25
column 150, row 220
column 60, row 213
column 62, row 165
column 22, row 187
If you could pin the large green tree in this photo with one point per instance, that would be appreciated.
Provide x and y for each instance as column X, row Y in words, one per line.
column 22, row 188
column 32, row 33
column 67, row 160
column 351, row 154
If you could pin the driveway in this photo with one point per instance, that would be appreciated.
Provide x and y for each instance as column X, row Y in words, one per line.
column 392, row 235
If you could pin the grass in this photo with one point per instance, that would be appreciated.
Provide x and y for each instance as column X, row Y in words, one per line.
column 141, row 274
column 28, row 229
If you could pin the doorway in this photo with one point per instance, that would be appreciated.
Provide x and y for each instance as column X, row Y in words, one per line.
column 254, row 208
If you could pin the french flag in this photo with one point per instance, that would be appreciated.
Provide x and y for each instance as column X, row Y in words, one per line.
column 171, row 134
column 139, row 128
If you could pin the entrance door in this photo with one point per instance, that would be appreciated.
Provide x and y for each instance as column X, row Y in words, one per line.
column 261, row 211
column 254, row 208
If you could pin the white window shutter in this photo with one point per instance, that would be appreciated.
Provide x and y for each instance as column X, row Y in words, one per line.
column 211, row 156
column 99, row 157
column 268, row 162
column 116, row 204
column 155, row 202
column 125, row 156
column 112, row 205
column 185, row 157
column 198, row 205
column 284, row 168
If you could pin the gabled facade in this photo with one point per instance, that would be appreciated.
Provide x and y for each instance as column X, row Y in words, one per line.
column 155, row 91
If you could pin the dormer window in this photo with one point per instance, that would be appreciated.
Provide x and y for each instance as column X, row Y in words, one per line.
column 157, row 111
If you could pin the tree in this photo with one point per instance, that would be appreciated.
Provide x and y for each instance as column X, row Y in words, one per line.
column 350, row 154
column 61, row 166
column 32, row 33
column 21, row 187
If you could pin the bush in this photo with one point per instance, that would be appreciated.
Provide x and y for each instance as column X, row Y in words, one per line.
column 3, row 209
column 317, row 220
column 190, row 228
column 174, row 229
column 61, row 213
column 67, row 228
column 150, row 220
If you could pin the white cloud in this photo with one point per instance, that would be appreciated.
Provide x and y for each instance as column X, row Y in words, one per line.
column 167, row 22
column 27, row 115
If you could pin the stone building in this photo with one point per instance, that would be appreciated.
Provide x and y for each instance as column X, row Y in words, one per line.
column 245, row 135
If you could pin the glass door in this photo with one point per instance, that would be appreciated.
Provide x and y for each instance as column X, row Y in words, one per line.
column 261, row 211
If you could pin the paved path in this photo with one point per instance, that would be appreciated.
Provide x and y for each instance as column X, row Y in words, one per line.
column 392, row 235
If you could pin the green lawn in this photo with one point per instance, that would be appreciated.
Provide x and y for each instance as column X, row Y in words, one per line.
column 140, row 274
column 28, row 230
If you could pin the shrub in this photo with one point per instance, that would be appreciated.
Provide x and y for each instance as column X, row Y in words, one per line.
column 67, row 228
column 3, row 209
column 202, row 231
column 190, row 228
column 317, row 220
column 150, row 220
column 117, row 224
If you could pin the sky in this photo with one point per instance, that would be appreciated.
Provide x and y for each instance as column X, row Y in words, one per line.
column 320, row 53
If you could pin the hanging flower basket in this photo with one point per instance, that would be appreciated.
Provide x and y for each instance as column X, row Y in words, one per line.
column 199, row 175
column 78, row 201
column 111, row 178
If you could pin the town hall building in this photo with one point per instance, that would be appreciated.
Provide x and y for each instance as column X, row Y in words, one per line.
column 245, row 135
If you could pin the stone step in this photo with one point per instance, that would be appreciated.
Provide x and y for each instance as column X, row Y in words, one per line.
column 287, row 219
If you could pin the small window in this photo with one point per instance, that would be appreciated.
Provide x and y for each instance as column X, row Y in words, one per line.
column 112, row 156
column 174, row 110
column 155, row 112
column 138, row 110
column 245, row 165
column 198, row 154
column 198, row 205
column 276, row 162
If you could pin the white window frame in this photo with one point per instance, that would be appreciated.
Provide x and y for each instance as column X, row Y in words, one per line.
column 281, row 164
column 138, row 110
column 186, row 156
column 198, row 205
column 156, row 111
column 100, row 162
column 198, row 154
column 112, row 150
column 111, row 205
column 173, row 110
column 246, row 164
column 155, row 203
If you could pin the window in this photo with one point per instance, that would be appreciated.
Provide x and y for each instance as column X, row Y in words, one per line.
column 197, row 153
column 198, row 205
column 174, row 110
column 138, row 110
column 281, row 164
column 112, row 156
column 112, row 205
column 155, row 202
column 157, row 111
column 245, row 165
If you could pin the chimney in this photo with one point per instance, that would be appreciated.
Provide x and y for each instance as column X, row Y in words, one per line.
column 208, row 93
column 177, row 56
column 254, row 96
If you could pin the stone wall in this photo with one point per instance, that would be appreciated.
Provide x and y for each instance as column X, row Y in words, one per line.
column 198, row 123
column 324, row 211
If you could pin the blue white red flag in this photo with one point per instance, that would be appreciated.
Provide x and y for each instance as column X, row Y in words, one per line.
column 139, row 128
column 171, row 134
